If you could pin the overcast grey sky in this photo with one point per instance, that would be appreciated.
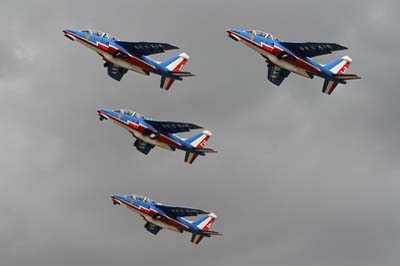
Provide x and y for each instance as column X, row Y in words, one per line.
column 300, row 179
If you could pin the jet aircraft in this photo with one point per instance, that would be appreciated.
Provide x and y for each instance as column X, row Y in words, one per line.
column 121, row 56
column 158, row 216
column 150, row 133
column 286, row 57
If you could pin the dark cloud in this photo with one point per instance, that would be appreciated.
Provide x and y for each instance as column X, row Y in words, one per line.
column 300, row 178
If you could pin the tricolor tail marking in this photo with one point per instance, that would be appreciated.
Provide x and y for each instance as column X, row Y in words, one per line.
column 197, row 141
column 338, row 68
column 204, row 224
column 174, row 64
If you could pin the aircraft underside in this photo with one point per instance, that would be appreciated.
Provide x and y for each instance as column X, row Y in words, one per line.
column 153, row 224
column 115, row 60
column 279, row 62
column 143, row 141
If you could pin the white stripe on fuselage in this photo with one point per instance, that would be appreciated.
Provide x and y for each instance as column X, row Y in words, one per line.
column 115, row 60
column 275, row 60
column 150, row 219
column 142, row 137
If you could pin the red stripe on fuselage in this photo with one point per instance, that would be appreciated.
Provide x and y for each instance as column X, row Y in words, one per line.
column 277, row 51
column 141, row 128
column 152, row 213
column 111, row 50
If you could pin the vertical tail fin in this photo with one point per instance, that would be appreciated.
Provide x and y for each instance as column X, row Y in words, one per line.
column 197, row 141
column 204, row 224
column 176, row 63
column 336, row 67
column 173, row 64
column 339, row 66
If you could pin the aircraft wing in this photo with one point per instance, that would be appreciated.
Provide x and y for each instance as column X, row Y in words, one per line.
column 143, row 147
column 115, row 71
column 172, row 127
column 145, row 48
column 180, row 211
column 277, row 74
column 311, row 49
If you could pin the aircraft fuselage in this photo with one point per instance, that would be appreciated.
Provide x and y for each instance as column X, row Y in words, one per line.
column 273, row 52
column 153, row 216
column 107, row 50
column 144, row 133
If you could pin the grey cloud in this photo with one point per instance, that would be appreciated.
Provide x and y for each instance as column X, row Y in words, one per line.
column 300, row 178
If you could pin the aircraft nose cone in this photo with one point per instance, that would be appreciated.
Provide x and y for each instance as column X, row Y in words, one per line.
column 117, row 199
column 105, row 111
column 230, row 31
column 74, row 33
column 71, row 31
column 233, row 34
column 103, row 114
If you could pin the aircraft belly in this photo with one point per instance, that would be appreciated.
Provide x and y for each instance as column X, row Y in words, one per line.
column 285, row 64
column 142, row 137
column 121, row 63
column 279, row 62
column 90, row 46
column 150, row 219
column 112, row 59
column 159, row 223
column 288, row 66
column 145, row 138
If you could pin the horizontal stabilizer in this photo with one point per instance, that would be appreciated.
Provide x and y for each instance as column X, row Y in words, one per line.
column 179, row 74
column 212, row 233
column 166, row 83
column 205, row 150
column 347, row 76
column 329, row 86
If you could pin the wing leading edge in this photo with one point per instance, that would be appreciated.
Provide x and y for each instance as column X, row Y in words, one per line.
column 172, row 127
column 114, row 71
column 277, row 74
column 145, row 48
column 180, row 211
column 311, row 49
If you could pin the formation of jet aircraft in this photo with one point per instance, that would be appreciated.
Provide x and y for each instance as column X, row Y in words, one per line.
column 120, row 56
column 150, row 133
column 159, row 216
column 286, row 57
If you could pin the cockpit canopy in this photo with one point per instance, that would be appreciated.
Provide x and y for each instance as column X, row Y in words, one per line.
column 263, row 34
column 142, row 198
column 100, row 34
column 129, row 112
